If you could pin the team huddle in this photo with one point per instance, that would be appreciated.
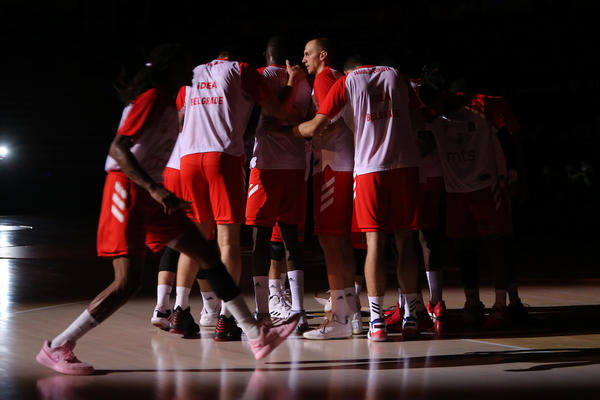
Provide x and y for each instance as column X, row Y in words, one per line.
column 390, row 157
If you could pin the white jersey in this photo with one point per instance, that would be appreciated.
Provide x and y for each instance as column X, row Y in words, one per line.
column 182, row 98
column 335, row 150
column 375, row 103
column 219, row 106
column 151, row 122
column 279, row 150
column 469, row 152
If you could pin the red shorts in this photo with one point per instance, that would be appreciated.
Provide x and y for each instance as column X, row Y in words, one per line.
column 131, row 219
column 332, row 199
column 215, row 184
column 387, row 200
column 430, row 197
column 485, row 212
column 275, row 195
column 276, row 235
column 172, row 181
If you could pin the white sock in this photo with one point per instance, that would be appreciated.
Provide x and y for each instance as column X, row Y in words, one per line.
column 376, row 307
column 210, row 302
column 513, row 294
column 410, row 307
column 401, row 298
column 224, row 310
column 500, row 298
column 244, row 317
column 77, row 329
column 182, row 298
column 162, row 297
column 296, row 280
column 357, row 289
column 338, row 305
column 261, row 294
column 435, row 286
column 351, row 300
column 274, row 287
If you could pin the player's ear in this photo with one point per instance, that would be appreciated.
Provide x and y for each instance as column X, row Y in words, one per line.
column 323, row 55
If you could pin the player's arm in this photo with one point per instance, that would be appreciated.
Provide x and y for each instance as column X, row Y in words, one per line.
column 119, row 150
column 281, row 106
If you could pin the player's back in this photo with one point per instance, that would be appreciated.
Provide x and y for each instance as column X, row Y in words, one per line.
column 380, row 98
column 279, row 150
column 218, row 109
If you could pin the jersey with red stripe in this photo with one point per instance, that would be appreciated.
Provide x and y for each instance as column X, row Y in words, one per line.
column 180, row 101
column 335, row 150
column 469, row 152
column 219, row 106
column 375, row 102
column 279, row 150
column 151, row 122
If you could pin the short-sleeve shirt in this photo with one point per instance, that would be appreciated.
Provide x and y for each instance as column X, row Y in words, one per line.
column 376, row 101
column 182, row 97
column 219, row 106
column 334, row 150
column 279, row 150
column 469, row 152
column 151, row 123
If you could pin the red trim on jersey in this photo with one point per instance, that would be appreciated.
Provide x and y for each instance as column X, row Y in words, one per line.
column 138, row 114
column 323, row 82
column 335, row 100
column 180, row 100
column 252, row 83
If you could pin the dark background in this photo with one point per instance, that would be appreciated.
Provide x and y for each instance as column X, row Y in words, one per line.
column 59, row 111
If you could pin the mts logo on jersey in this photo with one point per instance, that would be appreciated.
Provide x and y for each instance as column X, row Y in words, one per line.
column 461, row 156
column 206, row 85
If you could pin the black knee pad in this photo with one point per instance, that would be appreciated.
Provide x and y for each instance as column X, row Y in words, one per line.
column 168, row 260
column 277, row 251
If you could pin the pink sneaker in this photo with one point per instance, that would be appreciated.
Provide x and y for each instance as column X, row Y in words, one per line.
column 61, row 359
column 272, row 336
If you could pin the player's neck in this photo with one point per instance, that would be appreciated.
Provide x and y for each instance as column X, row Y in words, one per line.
column 320, row 68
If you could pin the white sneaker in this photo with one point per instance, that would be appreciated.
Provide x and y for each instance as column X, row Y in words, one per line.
column 330, row 329
column 278, row 308
column 356, row 323
column 209, row 318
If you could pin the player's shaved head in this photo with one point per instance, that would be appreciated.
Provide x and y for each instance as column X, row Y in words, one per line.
column 353, row 62
column 323, row 43
column 276, row 51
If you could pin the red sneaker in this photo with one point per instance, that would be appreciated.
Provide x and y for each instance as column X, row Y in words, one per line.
column 438, row 311
column 498, row 318
column 393, row 319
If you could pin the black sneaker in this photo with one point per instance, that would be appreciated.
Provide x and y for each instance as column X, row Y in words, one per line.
column 519, row 315
column 227, row 330
column 182, row 322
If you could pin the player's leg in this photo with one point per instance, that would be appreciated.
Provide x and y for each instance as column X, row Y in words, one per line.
column 295, row 267
column 263, row 338
column 167, row 268
column 261, row 260
column 375, row 274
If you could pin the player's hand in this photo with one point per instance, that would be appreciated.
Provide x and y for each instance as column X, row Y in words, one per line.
column 295, row 72
column 168, row 200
